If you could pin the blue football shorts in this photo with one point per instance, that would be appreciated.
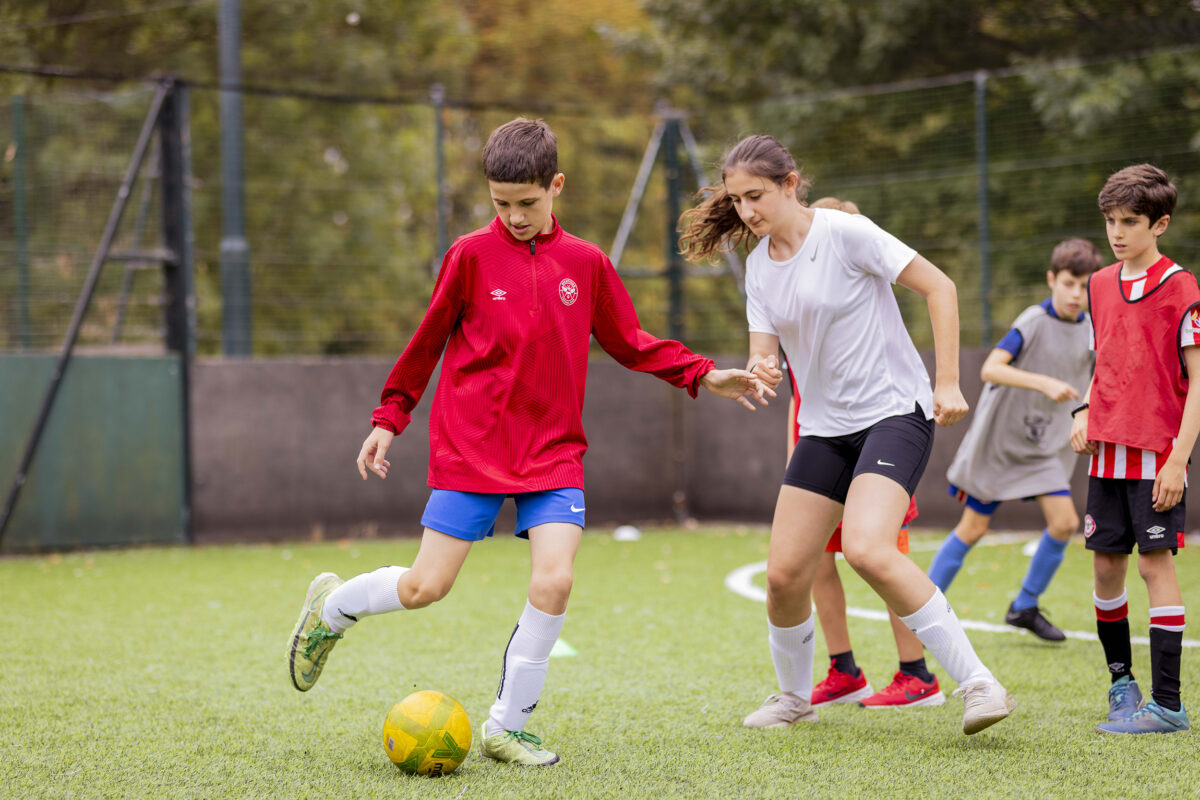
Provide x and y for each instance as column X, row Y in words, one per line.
column 472, row 515
column 989, row 508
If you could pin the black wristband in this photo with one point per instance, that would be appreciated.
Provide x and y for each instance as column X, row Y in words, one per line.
column 1077, row 409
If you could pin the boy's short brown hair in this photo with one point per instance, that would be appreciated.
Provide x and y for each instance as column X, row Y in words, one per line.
column 521, row 151
column 849, row 206
column 1142, row 188
column 1079, row 256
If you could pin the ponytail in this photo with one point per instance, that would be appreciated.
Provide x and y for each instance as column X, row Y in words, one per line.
column 712, row 227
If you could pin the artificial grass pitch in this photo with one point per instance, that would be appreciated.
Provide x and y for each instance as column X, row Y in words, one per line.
column 160, row 673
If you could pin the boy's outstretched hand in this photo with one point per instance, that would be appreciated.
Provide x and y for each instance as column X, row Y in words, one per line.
column 736, row 384
column 374, row 448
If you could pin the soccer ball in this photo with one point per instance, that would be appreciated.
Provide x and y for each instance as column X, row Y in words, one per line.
column 427, row 733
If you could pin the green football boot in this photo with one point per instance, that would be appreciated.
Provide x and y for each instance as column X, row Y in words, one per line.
column 312, row 639
column 515, row 747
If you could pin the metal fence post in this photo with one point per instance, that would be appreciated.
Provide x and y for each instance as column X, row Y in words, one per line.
column 985, row 248
column 179, row 238
column 437, row 93
column 236, row 293
column 20, row 221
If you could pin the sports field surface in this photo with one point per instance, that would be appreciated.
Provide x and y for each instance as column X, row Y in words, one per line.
column 159, row 673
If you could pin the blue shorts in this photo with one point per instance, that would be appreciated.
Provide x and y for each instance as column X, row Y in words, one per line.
column 472, row 515
column 987, row 509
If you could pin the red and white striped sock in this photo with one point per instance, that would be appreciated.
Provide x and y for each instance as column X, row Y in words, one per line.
column 1166, row 649
column 1112, row 626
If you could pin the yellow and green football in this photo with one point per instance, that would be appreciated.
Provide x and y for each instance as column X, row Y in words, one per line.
column 427, row 733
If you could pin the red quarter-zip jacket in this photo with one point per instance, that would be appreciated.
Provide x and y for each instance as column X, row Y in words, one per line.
column 514, row 319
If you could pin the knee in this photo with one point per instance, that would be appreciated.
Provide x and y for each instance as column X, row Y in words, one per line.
column 782, row 581
column 972, row 530
column 552, row 587
column 1061, row 527
column 423, row 591
column 1154, row 564
column 866, row 561
column 1108, row 569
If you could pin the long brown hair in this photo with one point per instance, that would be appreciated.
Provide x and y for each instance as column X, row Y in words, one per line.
column 714, row 226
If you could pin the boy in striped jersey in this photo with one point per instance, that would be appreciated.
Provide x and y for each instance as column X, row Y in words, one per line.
column 1139, row 422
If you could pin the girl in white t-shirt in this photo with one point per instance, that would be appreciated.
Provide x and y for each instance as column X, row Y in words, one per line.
column 819, row 284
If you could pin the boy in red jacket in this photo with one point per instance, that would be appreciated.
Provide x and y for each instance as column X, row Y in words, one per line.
column 513, row 309
column 1139, row 421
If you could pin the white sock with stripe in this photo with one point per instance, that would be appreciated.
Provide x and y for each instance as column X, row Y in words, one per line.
column 526, row 662
column 938, row 628
column 792, row 650
column 362, row 596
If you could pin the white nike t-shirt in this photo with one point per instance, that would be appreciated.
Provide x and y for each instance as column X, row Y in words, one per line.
column 832, row 307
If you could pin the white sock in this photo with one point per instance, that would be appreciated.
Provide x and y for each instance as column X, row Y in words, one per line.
column 792, row 650
column 526, row 661
column 361, row 596
column 938, row 628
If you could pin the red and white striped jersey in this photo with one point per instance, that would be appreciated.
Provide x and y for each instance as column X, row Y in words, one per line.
column 1122, row 461
column 1117, row 460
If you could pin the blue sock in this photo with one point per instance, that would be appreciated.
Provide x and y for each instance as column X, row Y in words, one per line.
column 1041, row 569
column 948, row 560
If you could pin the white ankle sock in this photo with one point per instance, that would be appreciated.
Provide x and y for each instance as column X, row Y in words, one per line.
column 361, row 596
column 792, row 650
column 526, row 661
column 938, row 628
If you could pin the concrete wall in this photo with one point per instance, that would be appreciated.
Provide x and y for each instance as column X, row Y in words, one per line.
column 274, row 444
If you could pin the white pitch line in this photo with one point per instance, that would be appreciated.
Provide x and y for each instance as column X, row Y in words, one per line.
column 741, row 581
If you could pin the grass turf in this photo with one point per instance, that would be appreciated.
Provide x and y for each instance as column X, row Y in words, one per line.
column 160, row 673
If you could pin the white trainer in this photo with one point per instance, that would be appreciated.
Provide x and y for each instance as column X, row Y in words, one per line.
column 781, row 710
column 984, row 704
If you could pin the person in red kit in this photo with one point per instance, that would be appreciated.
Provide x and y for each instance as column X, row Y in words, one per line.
column 1139, row 421
column 514, row 308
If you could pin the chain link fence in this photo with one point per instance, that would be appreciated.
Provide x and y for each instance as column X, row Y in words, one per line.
column 983, row 174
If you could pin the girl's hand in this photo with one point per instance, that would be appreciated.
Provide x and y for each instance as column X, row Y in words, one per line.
column 768, row 372
column 949, row 405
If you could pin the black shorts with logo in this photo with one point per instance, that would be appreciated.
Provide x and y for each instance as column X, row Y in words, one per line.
column 895, row 447
column 1120, row 513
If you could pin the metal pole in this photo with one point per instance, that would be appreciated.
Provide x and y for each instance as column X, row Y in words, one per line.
column 674, row 205
column 235, row 250
column 85, row 299
column 139, row 227
column 629, row 217
column 437, row 93
column 21, row 222
column 985, row 248
column 175, row 158
column 673, row 170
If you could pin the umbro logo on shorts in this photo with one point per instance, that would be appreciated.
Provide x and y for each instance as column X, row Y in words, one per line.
column 1156, row 532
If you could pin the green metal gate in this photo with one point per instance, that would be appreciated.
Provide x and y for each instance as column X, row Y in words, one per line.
column 94, row 449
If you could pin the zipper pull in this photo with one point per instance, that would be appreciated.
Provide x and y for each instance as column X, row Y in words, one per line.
column 532, row 247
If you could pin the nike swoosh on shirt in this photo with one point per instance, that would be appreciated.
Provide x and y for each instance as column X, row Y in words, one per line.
column 813, row 257
column 577, row 510
column 884, row 463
